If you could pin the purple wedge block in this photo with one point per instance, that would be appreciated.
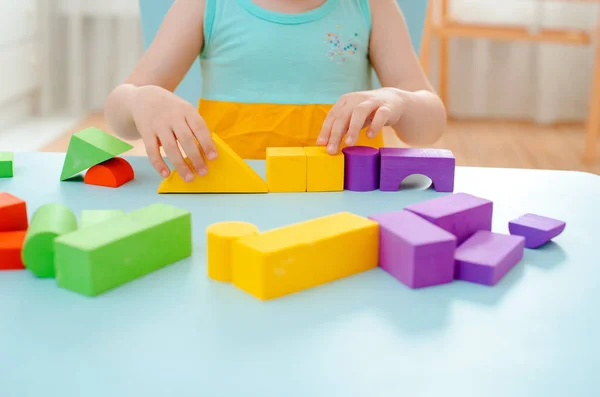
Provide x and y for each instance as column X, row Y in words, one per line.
column 486, row 257
column 537, row 229
column 460, row 214
column 414, row 251
column 399, row 163
column 361, row 172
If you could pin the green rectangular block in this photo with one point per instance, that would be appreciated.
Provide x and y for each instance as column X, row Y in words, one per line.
column 95, row 259
column 95, row 217
column 6, row 165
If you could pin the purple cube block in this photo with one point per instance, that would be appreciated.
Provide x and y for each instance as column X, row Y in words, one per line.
column 537, row 230
column 414, row 251
column 460, row 214
column 361, row 173
column 486, row 257
column 399, row 163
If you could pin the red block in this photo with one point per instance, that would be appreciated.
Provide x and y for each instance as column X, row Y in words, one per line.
column 11, row 245
column 111, row 173
column 13, row 213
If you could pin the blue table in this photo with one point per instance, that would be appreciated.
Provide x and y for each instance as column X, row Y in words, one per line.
column 178, row 333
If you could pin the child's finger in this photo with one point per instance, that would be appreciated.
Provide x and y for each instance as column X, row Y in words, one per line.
column 172, row 151
column 155, row 158
column 201, row 132
column 340, row 126
column 359, row 120
column 190, row 146
column 380, row 120
column 328, row 124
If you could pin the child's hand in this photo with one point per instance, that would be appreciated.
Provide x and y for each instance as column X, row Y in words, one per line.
column 355, row 111
column 163, row 119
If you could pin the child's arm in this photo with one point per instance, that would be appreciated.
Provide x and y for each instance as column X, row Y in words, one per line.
column 145, row 105
column 406, row 102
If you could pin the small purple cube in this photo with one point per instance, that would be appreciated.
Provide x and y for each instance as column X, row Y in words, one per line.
column 486, row 257
column 460, row 214
column 414, row 251
column 399, row 163
column 537, row 229
column 361, row 168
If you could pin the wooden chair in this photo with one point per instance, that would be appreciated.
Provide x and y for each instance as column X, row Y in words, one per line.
column 439, row 23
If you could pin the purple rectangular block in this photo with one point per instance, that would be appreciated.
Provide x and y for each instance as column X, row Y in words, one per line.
column 398, row 163
column 414, row 251
column 486, row 257
column 537, row 229
column 460, row 214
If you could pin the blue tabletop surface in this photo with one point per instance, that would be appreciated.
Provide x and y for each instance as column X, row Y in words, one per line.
column 177, row 333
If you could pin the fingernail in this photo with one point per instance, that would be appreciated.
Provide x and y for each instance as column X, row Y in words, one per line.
column 211, row 155
column 331, row 148
column 321, row 140
column 189, row 177
column 164, row 173
column 370, row 133
column 202, row 171
column 349, row 140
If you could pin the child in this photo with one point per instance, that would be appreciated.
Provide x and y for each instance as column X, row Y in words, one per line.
column 276, row 73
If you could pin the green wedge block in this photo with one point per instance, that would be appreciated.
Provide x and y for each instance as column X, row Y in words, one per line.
column 88, row 148
column 47, row 223
column 93, row 260
column 95, row 217
column 6, row 165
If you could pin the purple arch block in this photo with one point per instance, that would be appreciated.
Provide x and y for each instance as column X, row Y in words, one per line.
column 537, row 229
column 361, row 172
column 399, row 163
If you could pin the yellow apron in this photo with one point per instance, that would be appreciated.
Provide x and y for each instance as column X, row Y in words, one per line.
column 251, row 128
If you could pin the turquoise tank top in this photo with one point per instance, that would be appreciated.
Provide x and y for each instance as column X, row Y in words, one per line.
column 253, row 55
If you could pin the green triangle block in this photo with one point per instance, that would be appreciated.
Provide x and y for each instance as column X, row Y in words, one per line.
column 88, row 148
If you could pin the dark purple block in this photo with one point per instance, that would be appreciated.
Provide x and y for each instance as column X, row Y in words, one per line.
column 460, row 214
column 399, row 163
column 486, row 257
column 537, row 229
column 414, row 251
column 361, row 173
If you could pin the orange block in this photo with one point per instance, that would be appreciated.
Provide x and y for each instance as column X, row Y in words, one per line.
column 111, row 173
column 13, row 213
column 11, row 245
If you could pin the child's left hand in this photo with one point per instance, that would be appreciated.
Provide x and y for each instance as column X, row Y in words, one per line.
column 353, row 112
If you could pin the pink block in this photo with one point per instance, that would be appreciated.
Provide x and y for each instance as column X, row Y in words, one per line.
column 486, row 257
column 414, row 251
column 460, row 214
column 399, row 163
column 537, row 230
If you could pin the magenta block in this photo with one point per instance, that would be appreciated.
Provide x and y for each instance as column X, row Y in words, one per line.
column 537, row 229
column 361, row 173
column 460, row 214
column 399, row 163
column 414, row 251
column 486, row 257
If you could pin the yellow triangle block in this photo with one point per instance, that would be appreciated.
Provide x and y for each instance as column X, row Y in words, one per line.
column 229, row 173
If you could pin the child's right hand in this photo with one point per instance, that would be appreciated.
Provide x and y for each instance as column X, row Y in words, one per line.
column 163, row 119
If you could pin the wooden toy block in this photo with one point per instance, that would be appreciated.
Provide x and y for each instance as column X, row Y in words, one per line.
column 111, row 173
column 415, row 251
column 286, row 169
column 88, row 148
column 96, row 259
column 95, row 217
column 487, row 257
column 6, row 165
column 324, row 172
column 13, row 213
column 537, row 229
column 296, row 257
column 11, row 245
column 460, row 214
column 47, row 223
column 228, row 173
column 361, row 170
column 220, row 237
column 399, row 163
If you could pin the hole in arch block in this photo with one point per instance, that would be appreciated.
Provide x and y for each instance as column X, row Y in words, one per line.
column 396, row 164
